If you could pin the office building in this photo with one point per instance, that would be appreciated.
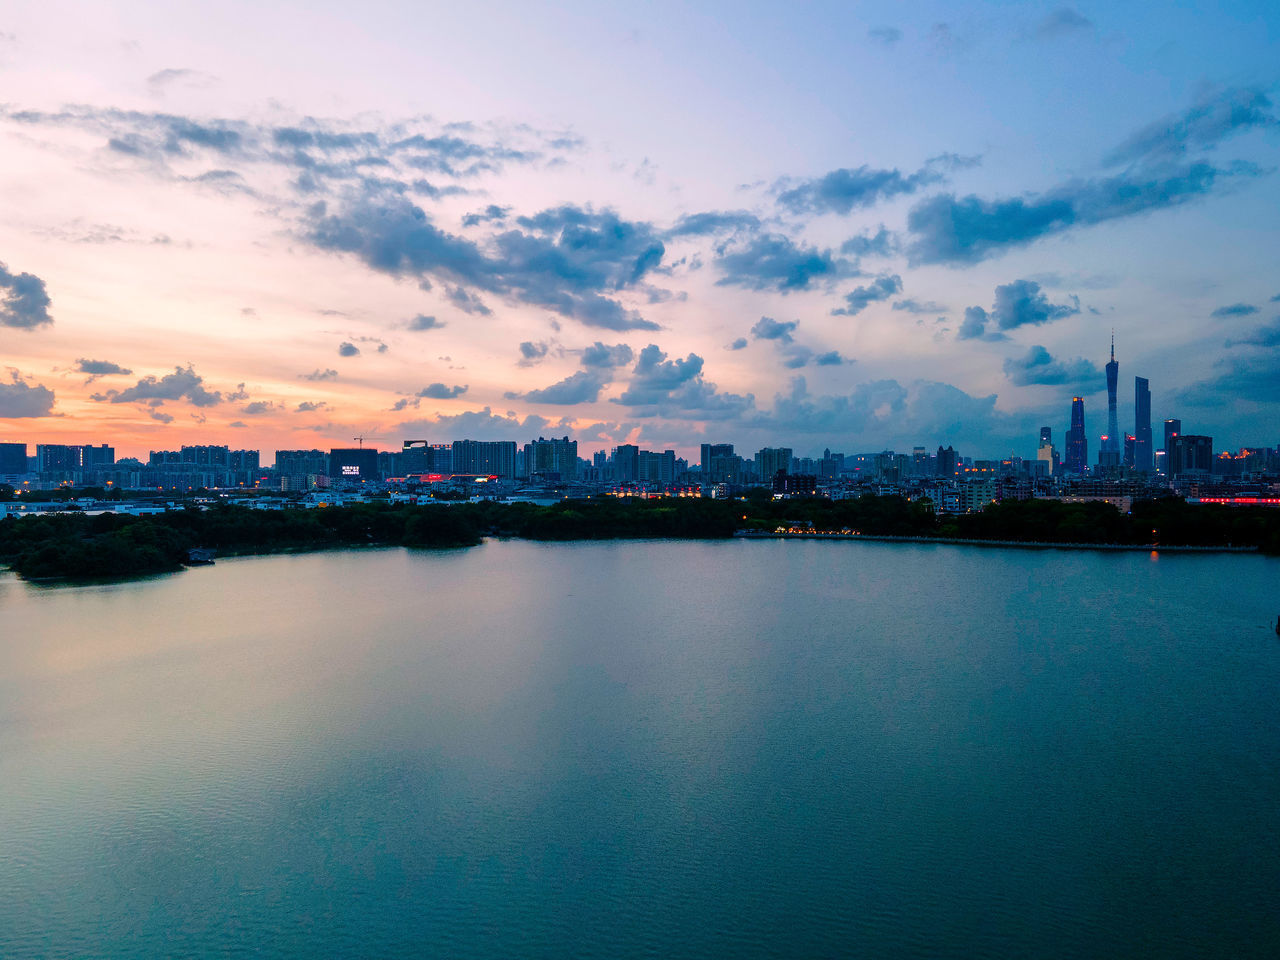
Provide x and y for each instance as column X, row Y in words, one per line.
column 353, row 464
column 13, row 459
column 1143, row 454
column 1077, row 458
column 1172, row 429
column 1190, row 456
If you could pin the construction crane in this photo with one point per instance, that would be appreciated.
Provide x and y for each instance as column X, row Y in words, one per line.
column 361, row 440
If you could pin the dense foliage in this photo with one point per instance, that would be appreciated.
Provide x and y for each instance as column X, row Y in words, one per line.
column 77, row 546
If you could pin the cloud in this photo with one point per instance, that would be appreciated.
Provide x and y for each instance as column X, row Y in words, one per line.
column 467, row 302
column 955, row 230
column 238, row 424
column 162, row 80
column 831, row 358
column 21, row 400
column 1037, row 367
column 568, row 259
column 766, row 328
column 490, row 214
column 1251, row 378
column 606, row 356
column 882, row 288
column 880, row 244
column 438, row 391
column 1202, row 126
column 1266, row 336
column 1234, row 310
column 675, row 389
column 919, row 306
column 739, row 344
column 1064, row 21
column 531, row 353
column 100, row 368
column 318, row 375
column 713, row 222
column 240, row 393
column 258, row 407
column 847, row 189
column 581, row 387
column 182, row 383
column 888, row 36
column 475, row 425
column 310, row 406
column 348, row 349
column 1017, row 304
column 423, row 322
column 24, row 302
column 161, row 416
column 777, row 262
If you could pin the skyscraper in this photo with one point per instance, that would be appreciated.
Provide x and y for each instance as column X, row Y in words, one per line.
column 1172, row 429
column 1109, row 451
column 1143, row 455
column 1077, row 442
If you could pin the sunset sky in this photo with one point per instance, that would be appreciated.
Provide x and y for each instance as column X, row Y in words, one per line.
column 857, row 226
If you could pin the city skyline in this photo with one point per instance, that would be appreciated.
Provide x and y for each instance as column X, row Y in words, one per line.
column 440, row 234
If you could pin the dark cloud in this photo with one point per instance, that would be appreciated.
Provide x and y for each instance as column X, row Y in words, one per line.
column 778, row 262
column 1249, row 378
column 581, row 387
column 20, row 399
column 831, row 358
column 1038, row 367
column 739, row 344
column 100, row 368
column 847, row 189
column 1234, row 310
column 184, row 382
column 880, row 244
column 958, row 230
column 1265, row 336
column 888, row 36
column 24, row 302
column 467, row 302
column 1063, row 22
column 318, row 375
column 240, row 393
column 1017, row 304
column 161, row 416
column 882, row 288
column 713, row 222
column 567, row 259
column 310, row 406
column 767, row 328
column 531, row 353
column 423, row 322
column 348, row 349
column 675, row 389
column 919, row 306
column 605, row 356
column 1202, row 126
column 438, row 391
column 258, row 407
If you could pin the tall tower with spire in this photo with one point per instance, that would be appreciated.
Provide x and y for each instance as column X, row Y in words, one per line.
column 1109, row 450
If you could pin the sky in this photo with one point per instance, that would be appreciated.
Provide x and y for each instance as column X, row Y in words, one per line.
column 850, row 226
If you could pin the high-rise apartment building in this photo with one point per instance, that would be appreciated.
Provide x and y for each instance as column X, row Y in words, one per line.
column 770, row 461
column 1190, row 455
column 1172, row 430
column 13, row 459
column 495, row 458
column 556, row 458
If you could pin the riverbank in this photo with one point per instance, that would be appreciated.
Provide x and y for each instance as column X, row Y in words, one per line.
column 1022, row 544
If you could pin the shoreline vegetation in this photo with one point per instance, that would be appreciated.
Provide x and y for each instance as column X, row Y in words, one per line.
column 71, row 546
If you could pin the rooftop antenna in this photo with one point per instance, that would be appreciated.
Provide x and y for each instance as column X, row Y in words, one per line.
column 1113, row 344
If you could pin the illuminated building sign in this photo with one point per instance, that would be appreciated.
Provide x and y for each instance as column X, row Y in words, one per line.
column 350, row 470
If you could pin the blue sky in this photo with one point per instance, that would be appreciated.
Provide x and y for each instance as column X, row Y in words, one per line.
column 848, row 226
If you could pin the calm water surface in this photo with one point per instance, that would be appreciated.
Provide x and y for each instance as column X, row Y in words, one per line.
column 746, row 749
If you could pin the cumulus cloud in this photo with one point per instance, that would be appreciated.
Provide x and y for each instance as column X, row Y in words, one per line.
column 21, row 400
column 713, row 222
column 348, row 349
column 882, row 288
column 568, row 259
column 676, row 389
column 882, row 243
column 919, row 306
column 775, row 261
column 423, row 322
column 581, row 387
column 831, row 358
column 318, row 375
column 1017, row 304
column 490, row 214
column 258, row 408
column 606, row 356
column 1037, row 367
column 1265, row 336
column 739, row 344
column 183, row 383
column 24, row 302
column 310, row 406
column 531, row 352
column 767, row 328
column 847, row 189
column 1204, row 125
